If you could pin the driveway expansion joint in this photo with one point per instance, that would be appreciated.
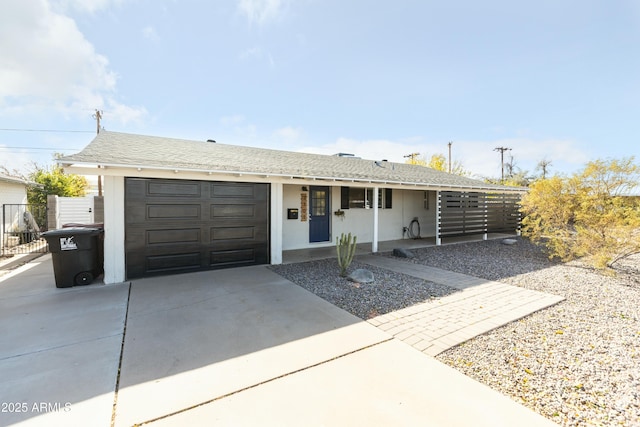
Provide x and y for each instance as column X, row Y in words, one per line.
column 232, row 393
column 117, row 384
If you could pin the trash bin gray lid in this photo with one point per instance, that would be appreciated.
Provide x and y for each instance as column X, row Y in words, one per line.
column 72, row 231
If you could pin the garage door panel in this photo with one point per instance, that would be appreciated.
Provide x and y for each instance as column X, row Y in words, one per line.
column 175, row 236
column 175, row 226
column 164, row 188
column 219, row 211
column 234, row 191
column 174, row 212
column 173, row 262
column 233, row 257
column 233, row 233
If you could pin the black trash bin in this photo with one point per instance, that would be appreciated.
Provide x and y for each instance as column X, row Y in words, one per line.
column 99, row 225
column 75, row 254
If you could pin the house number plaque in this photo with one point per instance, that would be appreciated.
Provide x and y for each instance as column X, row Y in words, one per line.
column 303, row 207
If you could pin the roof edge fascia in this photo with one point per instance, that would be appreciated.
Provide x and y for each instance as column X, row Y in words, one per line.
column 95, row 167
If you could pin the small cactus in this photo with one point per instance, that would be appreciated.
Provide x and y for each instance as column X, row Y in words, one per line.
column 346, row 249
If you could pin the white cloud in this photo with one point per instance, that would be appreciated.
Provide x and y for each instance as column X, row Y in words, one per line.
column 87, row 6
column 288, row 134
column 150, row 33
column 367, row 149
column 251, row 53
column 477, row 157
column 123, row 113
column 482, row 159
column 257, row 53
column 232, row 120
column 262, row 11
column 15, row 160
column 49, row 64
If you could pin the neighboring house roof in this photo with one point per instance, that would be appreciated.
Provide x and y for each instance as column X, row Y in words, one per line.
column 114, row 149
column 13, row 179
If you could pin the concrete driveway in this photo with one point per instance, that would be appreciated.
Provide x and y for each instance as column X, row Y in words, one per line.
column 232, row 347
column 59, row 348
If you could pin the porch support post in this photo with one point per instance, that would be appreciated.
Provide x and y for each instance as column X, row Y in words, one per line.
column 374, row 243
column 277, row 216
column 438, row 218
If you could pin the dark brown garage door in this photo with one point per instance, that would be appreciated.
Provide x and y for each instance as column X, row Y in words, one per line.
column 175, row 226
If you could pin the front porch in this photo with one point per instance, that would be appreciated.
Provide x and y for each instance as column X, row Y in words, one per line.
column 310, row 254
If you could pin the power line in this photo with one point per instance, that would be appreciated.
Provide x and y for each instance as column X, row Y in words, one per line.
column 44, row 130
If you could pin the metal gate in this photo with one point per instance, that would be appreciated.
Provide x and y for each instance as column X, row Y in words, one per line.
column 21, row 228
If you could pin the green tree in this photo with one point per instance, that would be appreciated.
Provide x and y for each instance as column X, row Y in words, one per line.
column 413, row 159
column 54, row 181
column 590, row 214
column 439, row 162
column 516, row 179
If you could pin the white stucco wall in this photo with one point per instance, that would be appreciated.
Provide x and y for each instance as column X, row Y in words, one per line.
column 285, row 234
column 407, row 205
column 12, row 193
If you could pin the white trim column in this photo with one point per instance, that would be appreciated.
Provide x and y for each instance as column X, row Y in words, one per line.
column 374, row 243
column 277, row 217
column 114, row 244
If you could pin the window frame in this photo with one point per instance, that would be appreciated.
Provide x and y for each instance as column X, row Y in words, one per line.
column 348, row 201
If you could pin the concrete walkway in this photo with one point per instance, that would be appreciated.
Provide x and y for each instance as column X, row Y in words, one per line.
column 480, row 306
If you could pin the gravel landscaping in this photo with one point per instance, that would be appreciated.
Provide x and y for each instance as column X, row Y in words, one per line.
column 577, row 363
column 391, row 291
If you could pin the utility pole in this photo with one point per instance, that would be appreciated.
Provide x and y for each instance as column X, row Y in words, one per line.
column 450, row 143
column 98, row 117
column 412, row 156
column 502, row 150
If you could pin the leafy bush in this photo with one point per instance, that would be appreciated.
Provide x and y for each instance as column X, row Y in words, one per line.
column 591, row 214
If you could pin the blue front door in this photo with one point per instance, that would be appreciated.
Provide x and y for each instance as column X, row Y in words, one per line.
column 319, row 214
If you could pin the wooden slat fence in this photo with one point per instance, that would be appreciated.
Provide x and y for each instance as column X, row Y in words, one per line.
column 468, row 213
column 504, row 213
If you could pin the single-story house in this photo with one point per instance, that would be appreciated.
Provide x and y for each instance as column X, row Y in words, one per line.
column 13, row 191
column 173, row 205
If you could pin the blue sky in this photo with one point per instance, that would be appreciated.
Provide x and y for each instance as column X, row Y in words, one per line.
column 549, row 79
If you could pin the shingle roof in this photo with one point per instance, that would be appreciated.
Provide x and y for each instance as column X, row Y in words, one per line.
column 129, row 150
